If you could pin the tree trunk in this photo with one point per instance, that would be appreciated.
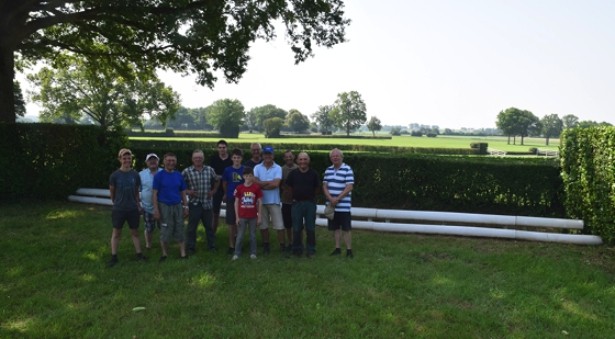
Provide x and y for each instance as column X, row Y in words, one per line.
column 547, row 140
column 7, row 74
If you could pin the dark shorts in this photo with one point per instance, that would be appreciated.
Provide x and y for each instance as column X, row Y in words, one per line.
column 118, row 218
column 341, row 220
column 287, row 215
column 230, row 212
column 217, row 200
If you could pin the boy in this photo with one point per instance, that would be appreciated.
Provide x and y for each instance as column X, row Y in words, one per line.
column 124, row 189
column 248, row 205
column 231, row 178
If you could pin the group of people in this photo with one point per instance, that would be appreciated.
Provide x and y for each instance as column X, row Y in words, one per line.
column 258, row 193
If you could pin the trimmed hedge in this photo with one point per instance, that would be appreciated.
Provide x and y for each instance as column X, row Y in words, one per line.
column 49, row 161
column 43, row 161
column 588, row 172
column 531, row 187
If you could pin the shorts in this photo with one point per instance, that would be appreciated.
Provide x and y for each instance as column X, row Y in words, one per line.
column 340, row 220
column 287, row 215
column 149, row 222
column 171, row 222
column 217, row 200
column 273, row 212
column 230, row 212
column 119, row 217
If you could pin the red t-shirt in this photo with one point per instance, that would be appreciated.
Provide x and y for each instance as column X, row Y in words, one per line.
column 248, row 197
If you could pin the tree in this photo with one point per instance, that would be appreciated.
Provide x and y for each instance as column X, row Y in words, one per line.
column 526, row 123
column 552, row 126
column 591, row 123
column 350, row 110
column 20, row 104
column 258, row 115
column 297, row 122
column 374, row 125
column 111, row 99
column 506, row 121
column 227, row 115
column 570, row 121
column 272, row 127
column 206, row 37
column 325, row 119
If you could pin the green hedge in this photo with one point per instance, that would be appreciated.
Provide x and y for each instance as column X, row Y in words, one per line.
column 530, row 187
column 48, row 161
column 588, row 172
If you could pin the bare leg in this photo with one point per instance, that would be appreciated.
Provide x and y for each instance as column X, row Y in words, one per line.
column 215, row 222
column 348, row 239
column 134, row 233
column 163, row 246
column 338, row 235
column 148, row 239
column 182, row 249
column 116, row 236
column 281, row 237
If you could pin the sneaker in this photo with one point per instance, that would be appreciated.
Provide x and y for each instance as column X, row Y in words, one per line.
column 162, row 258
column 266, row 248
column 112, row 262
column 235, row 257
column 141, row 257
column 349, row 254
column 231, row 250
column 252, row 256
column 337, row 251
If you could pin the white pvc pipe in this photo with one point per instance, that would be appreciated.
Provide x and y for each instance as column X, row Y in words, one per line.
column 101, row 196
column 472, row 231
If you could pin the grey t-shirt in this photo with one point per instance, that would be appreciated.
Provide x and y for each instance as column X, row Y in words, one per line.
column 126, row 187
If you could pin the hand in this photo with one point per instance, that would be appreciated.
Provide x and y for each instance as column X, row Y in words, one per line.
column 258, row 220
column 156, row 214
column 186, row 212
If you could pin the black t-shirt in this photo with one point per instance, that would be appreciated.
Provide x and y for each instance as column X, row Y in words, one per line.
column 218, row 164
column 304, row 184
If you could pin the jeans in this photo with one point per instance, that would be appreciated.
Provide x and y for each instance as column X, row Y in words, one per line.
column 241, row 228
column 198, row 214
column 304, row 212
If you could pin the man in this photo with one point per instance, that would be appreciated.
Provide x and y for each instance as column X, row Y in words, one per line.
column 287, row 196
column 124, row 191
column 170, row 205
column 203, row 184
column 303, row 183
column 147, row 182
column 268, row 176
column 219, row 162
column 337, row 186
column 255, row 150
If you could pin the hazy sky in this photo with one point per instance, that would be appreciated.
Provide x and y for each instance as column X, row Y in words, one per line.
column 449, row 63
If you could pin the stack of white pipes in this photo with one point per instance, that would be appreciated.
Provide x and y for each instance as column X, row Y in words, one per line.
column 470, row 221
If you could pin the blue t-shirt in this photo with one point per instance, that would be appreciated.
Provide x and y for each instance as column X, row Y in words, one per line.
column 169, row 186
column 233, row 178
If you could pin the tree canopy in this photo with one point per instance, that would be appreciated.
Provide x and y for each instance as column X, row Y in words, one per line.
column 325, row 119
column 113, row 100
column 297, row 122
column 227, row 115
column 374, row 125
column 350, row 111
column 189, row 36
column 513, row 121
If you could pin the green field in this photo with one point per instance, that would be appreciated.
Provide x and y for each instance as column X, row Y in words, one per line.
column 442, row 141
column 54, row 284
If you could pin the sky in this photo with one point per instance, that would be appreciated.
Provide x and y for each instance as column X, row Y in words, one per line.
column 448, row 63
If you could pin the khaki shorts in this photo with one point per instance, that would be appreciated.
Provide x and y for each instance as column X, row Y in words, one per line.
column 272, row 213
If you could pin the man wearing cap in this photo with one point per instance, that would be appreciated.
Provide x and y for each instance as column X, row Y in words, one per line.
column 124, row 186
column 147, row 181
column 202, row 184
column 268, row 176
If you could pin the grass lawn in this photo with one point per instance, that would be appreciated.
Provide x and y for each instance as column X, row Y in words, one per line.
column 442, row 141
column 54, row 284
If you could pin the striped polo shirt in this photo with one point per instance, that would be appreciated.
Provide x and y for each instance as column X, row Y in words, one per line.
column 336, row 181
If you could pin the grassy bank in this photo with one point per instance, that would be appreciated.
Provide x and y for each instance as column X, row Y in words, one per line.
column 54, row 284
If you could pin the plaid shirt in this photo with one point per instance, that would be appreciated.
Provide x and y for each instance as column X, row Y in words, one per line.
column 202, row 181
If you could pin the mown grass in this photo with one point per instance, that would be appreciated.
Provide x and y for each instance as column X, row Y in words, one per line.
column 54, row 284
column 442, row 141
